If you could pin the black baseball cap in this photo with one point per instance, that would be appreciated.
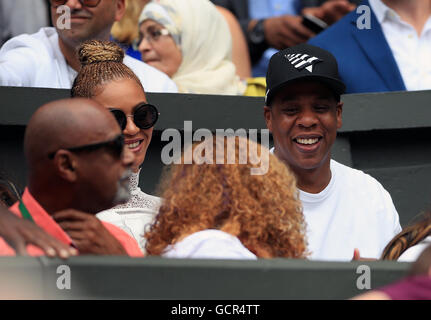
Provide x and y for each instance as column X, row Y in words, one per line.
column 300, row 62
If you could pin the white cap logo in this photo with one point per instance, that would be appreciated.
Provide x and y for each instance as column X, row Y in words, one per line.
column 302, row 61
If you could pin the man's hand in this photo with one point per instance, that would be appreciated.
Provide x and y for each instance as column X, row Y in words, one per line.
column 285, row 31
column 18, row 233
column 88, row 233
column 331, row 11
column 357, row 256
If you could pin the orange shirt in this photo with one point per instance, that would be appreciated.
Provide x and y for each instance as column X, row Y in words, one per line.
column 45, row 221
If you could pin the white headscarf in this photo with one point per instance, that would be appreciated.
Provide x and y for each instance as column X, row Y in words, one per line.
column 206, row 45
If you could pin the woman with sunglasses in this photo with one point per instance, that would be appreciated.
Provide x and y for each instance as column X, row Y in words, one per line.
column 103, row 77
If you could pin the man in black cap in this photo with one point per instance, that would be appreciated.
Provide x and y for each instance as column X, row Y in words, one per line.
column 345, row 209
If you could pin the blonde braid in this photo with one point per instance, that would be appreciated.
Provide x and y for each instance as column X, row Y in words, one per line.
column 101, row 62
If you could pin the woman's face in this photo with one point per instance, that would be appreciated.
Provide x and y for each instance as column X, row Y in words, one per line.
column 126, row 94
column 158, row 50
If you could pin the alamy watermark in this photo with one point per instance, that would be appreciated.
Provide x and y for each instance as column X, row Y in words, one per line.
column 364, row 20
column 64, row 281
column 63, row 21
column 364, row 280
column 204, row 153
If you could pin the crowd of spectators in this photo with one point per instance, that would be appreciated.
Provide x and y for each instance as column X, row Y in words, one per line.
column 84, row 154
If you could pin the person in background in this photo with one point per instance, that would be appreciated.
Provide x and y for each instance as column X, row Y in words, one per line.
column 189, row 40
column 410, row 242
column 344, row 208
column 271, row 25
column 22, row 16
column 48, row 58
column 391, row 54
column 220, row 208
column 104, row 78
column 126, row 30
column 77, row 166
column 240, row 55
column 416, row 286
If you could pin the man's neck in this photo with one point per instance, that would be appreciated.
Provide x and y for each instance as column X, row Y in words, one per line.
column 414, row 12
column 313, row 180
column 51, row 204
column 69, row 52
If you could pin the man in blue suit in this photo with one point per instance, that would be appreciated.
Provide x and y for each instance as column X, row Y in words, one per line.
column 391, row 54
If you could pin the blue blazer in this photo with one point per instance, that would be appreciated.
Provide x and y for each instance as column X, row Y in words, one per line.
column 365, row 60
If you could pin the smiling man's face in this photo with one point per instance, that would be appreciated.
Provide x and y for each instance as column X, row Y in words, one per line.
column 304, row 118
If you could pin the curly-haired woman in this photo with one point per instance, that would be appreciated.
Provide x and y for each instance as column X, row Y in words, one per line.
column 220, row 210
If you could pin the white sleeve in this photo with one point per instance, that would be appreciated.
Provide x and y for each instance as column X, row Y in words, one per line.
column 389, row 225
column 17, row 66
column 170, row 86
column 413, row 253
column 393, row 214
column 152, row 79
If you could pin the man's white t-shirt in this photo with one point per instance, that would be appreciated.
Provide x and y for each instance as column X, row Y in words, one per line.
column 353, row 211
column 209, row 244
column 35, row 60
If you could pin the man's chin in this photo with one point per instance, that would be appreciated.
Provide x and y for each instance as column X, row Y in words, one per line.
column 307, row 164
column 75, row 34
column 123, row 188
column 121, row 197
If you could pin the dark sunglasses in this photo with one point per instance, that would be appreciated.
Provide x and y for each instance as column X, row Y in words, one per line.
column 86, row 3
column 144, row 116
column 115, row 146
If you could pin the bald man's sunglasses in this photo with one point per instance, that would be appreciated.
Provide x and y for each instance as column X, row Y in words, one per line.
column 86, row 3
column 115, row 147
column 144, row 116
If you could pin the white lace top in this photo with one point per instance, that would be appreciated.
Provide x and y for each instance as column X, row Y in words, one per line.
column 136, row 215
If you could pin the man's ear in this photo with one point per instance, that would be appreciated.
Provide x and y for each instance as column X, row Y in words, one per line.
column 268, row 117
column 339, row 114
column 65, row 165
column 120, row 9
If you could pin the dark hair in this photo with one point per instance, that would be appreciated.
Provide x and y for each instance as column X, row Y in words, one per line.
column 8, row 192
column 407, row 238
column 101, row 62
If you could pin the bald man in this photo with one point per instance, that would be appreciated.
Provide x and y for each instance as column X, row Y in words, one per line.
column 77, row 166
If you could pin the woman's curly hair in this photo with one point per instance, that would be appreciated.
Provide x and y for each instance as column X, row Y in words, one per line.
column 263, row 211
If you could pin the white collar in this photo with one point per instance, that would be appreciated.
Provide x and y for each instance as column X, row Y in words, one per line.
column 382, row 11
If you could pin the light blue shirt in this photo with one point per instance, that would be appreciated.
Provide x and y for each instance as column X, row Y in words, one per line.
column 260, row 9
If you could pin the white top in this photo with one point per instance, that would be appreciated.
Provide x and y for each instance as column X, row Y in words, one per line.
column 35, row 60
column 209, row 244
column 413, row 253
column 411, row 52
column 353, row 211
column 136, row 215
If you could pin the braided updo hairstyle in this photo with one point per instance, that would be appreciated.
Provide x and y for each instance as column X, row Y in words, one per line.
column 101, row 62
